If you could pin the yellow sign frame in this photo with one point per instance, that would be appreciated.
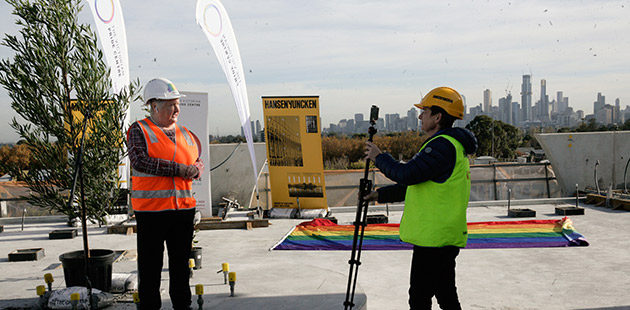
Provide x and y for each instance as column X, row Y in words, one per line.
column 294, row 152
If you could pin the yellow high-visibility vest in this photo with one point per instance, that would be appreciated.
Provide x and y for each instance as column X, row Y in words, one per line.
column 435, row 213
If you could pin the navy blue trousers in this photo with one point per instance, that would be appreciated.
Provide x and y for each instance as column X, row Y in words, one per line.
column 433, row 274
column 175, row 228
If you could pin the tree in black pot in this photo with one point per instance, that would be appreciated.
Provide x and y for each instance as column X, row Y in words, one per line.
column 57, row 76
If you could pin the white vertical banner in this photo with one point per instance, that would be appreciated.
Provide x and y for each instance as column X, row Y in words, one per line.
column 194, row 116
column 216, row 25
column 110, row 27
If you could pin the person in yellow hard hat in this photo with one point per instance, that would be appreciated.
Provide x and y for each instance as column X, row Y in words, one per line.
column 164, row 158
column 435, row 186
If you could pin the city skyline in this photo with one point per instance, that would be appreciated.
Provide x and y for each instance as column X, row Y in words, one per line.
column 520, row 116
column 354, row 54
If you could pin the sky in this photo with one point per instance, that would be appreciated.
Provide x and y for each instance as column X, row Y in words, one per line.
column 353, row 54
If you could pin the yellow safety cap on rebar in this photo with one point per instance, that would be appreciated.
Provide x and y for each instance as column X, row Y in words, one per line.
column 136, row 297
column 199, row 289
column 41, row 290
column 232, row 276
column 225, row 267
column 48, row 278
column 75, row 296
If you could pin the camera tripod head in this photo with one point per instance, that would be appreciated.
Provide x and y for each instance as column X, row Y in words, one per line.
column 373, row 115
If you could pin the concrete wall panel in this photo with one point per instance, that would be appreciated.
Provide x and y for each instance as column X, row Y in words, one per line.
column 574, row 157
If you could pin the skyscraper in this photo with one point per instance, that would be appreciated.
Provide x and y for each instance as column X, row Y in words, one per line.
column 617, row 112
column 359, row 124
column 508, row 115
column 412, row 119
column 487, row 101
column 391, row 121
column 505, row 109
column 563, row 102
column 600, row 103
column 358, row 118
column 544, row 101
column 515, row 113
column 526, row 98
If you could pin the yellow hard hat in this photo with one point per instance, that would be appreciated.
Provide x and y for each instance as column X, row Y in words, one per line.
column 446, row 98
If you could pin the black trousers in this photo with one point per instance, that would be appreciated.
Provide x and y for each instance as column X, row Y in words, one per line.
column 175, row 227
column 433, row 274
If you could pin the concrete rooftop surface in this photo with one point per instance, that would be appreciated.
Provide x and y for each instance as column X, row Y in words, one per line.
column 592, row 277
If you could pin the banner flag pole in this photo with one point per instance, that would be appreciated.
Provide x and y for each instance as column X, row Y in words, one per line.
column 213, row 19
column 110, row 27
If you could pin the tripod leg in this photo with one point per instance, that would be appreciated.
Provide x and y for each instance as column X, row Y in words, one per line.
column 357, row 243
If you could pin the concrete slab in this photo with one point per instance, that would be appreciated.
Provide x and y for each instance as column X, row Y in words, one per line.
column 593, row 277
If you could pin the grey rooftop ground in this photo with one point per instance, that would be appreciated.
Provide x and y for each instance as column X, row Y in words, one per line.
column 593, row 277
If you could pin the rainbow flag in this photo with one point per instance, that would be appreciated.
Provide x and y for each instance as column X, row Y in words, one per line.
column 321, row 234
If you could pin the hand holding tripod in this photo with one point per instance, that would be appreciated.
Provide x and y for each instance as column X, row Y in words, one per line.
column 365, row 187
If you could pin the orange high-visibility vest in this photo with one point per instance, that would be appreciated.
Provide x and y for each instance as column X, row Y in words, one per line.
column 159, row 193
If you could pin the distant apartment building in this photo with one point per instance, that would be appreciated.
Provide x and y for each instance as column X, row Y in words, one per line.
column 256, row 131
column 393, row 122
column 580, row 114
column 474, row 112
column 566, row 118
column 604, row 115
column 608, row 114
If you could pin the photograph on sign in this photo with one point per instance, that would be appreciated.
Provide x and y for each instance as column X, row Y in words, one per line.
column 284, row 144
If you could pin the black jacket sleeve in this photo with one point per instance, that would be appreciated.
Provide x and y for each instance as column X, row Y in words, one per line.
column 435, row 162
column 392, row 193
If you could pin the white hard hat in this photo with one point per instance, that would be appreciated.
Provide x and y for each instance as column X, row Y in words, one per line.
column 160, row 88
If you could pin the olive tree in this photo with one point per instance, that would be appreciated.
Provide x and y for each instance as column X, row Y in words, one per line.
column 56, row 79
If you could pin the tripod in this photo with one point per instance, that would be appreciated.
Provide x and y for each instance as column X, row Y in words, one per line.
column 365, row 187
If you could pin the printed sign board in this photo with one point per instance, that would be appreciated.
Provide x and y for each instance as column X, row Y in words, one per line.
column 294, row 152
column 193, row 115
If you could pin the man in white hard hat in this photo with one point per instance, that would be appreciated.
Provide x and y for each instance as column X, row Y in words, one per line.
column 164, row 159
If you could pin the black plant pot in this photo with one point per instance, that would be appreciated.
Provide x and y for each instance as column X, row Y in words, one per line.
column 100, row 272
column 195, row 253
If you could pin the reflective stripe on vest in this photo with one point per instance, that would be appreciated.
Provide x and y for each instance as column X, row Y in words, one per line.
column 158, row 193
column 435, row 213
